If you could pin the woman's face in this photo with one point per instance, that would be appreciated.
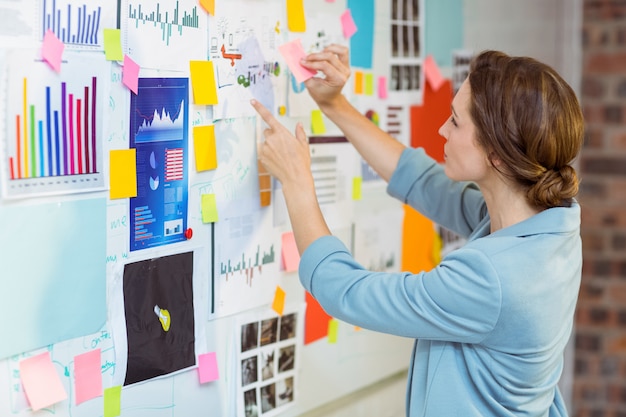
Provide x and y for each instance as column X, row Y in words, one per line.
column 465, row 160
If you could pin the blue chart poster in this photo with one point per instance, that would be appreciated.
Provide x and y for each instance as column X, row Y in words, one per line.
column 158, row 131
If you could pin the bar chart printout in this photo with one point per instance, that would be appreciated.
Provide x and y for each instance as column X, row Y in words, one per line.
column 53, row 144
column 78, row 24
column 158, row 131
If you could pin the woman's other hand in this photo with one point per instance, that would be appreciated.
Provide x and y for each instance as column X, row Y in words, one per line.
column 334, row 63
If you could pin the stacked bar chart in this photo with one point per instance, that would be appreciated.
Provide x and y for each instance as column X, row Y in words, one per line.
column 52, row 144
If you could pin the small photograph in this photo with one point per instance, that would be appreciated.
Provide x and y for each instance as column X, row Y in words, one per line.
column 395, row 78
column 249, row 336
column 268, row 398
column 267, row 370
column 288, row 326
column 250, row 404
column 415, row 76
column 405, row 78
column 286, row 358
column 416, row 41
column 395, row 43
column 284, row 391
column 269, row 331
column 415, row 8
column 249, row 371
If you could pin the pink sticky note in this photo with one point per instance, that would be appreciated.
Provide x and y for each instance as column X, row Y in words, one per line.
column 432, row 73
column 87, row 376
column 207, row 367
column 41, row 382
column 290, row 254
column 52, row 50
column 130, row 74
column 349, row 27
column 382, row 87
column 293, row 52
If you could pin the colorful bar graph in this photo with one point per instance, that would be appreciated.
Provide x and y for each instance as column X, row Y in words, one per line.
column 74, row 25
column 49, row 147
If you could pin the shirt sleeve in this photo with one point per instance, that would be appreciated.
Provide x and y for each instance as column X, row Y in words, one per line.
column 458, row 301
column 421, row 182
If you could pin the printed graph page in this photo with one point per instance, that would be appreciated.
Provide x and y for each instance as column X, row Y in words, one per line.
column 79, row 25
column 53, row 143
column 164, row 34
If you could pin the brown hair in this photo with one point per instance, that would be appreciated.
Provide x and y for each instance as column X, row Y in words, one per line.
column 529, row 119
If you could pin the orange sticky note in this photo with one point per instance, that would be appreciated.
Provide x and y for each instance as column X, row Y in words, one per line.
column 130, row 74
column 356, row 188
column 358, row 82
column 41, row 383
column 209, row 6
column 87, row 376
column 278, row 305
column 207, row 368
column 204, row 147
column 348, row 25
column 290, row 254
column 203, row 82
column 113, row 45
column 123, row 173
column 293, row 52
column 382, row 87
column 333, row 330
column 209, row 208
column 317, row 122
column 432, row 73
column 265, row 185
column 113, row 401
column 296, row 21
column 52, row 50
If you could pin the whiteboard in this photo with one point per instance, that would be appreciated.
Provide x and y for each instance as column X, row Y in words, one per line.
column 326, row 371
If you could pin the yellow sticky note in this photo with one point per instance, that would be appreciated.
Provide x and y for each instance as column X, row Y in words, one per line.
column 113, row 45
column 204, row 147
column 113, row 401
column 123, row 173
column 279, row 301
column 209, row 6
column 203, row 82
column 209, row 208
column 358, row 82
column 369, row 84
column 317, row 122
column 333, row 330
column 356, row 188
column 296, row 21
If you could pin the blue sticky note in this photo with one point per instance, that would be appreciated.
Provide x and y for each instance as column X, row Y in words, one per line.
column 53, row 272
column 440, row 43
column 362, row 42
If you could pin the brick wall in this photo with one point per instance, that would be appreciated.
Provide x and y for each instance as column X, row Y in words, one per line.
column 600, row 371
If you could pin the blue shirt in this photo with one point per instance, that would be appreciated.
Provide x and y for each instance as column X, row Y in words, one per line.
column 491, row 320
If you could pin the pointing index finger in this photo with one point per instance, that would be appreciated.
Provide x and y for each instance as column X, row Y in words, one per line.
column 265, row 114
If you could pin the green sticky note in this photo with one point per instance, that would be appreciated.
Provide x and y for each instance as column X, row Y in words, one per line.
column 369, row 84
column 333, row 329
column 209, row 208
column 317, row 122
column 204, row 147
column 113, row 45
column 112, row 401
column 356, row 188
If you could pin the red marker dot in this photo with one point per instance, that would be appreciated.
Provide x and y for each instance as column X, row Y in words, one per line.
column 188, row 233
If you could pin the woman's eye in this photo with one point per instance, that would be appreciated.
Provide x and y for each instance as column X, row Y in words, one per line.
column 453, row 121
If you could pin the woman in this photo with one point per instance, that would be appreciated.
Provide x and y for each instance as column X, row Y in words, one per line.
column 493, row 318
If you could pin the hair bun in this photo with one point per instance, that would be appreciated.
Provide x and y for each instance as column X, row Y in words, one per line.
column 555, row 187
